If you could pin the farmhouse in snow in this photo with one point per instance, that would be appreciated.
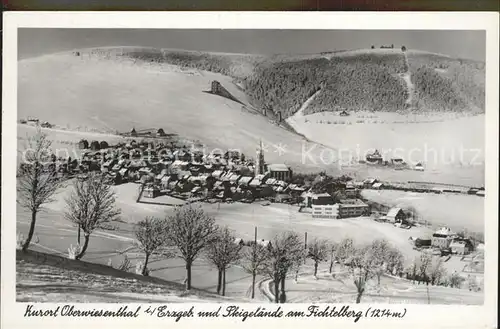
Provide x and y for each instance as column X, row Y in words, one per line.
column 461, row 247
column 442, row 238
column 395, row 215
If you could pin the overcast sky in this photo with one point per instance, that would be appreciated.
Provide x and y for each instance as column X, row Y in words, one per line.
column 462, row 44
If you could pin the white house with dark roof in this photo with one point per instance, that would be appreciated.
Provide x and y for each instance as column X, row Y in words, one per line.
column 123, row 172
column 442, row 238
column 257, row 180
column 217, row 173
column 245, row 180
column 233, row 179
column 271, row 181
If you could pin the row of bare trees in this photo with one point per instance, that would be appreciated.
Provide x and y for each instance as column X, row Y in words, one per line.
column 187, row 233
column 365, row 262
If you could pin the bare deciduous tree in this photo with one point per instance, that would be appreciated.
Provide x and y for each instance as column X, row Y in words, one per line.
column 284, row 251
column 345, row 250
column 190, row 230
column 379, row 250
column 151, row 234
column 436, row 270
column 35, row 185
column 223, row 251
column 332, row 250
column 456, row 280
column 395, row 261
column 318, row 252
column 424, row 264
column 361, row 268
column 90, row 204
column 255, row 258
column 412, row 270
column 299, row 260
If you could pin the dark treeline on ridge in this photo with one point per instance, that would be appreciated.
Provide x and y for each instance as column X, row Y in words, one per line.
column 357, row 81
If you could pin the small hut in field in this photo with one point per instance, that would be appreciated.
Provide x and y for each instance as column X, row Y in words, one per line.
column 161, row 133
column 133, row 133
column 83, row 144
column 95, row 146
column 104, row 145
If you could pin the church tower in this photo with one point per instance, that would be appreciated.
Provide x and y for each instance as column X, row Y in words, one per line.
column 260, row 163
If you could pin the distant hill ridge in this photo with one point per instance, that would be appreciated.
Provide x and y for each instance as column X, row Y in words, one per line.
column 365, row 79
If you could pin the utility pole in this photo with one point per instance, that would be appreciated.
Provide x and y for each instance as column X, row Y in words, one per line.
column 254, row 259
column 305, row 246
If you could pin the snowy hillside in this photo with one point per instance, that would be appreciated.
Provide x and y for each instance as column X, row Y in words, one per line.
column 362, row 79
column 83, row 282
column 116, row 89
column 117, row 95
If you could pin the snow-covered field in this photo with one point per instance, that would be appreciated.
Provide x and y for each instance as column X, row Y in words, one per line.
column 457, row 211
column 414, row 137
column 448, row 145
column 54, row 235
column 339, row 288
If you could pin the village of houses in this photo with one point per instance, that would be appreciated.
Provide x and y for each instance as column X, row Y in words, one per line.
column 165, row 171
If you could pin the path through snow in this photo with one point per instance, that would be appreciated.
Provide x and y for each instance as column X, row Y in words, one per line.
column 407, row 79
column 299, row 115
column 300, row 112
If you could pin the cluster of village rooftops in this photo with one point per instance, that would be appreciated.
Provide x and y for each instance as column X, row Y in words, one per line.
column 229, row 176
column 164, row 168
column 187, row 174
